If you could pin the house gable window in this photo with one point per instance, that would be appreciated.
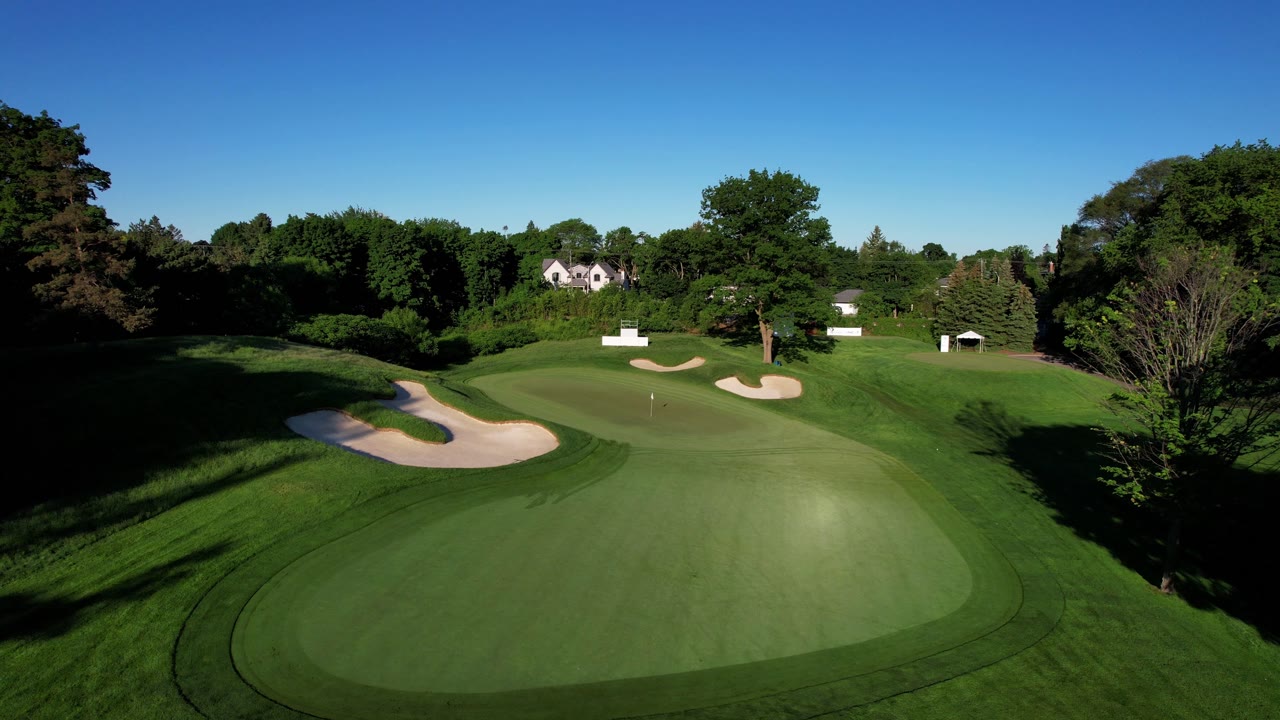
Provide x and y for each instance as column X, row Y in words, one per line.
column 579, row 275
column 555, row 277
column 597, row 277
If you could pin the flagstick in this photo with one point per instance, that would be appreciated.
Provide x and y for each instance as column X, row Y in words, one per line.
column 651, row 405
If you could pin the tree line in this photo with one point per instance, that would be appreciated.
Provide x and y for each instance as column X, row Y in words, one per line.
column 1168, row 281
column 416, row 290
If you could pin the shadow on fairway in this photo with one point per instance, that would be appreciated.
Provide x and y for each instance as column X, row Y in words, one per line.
column 1225, row 551
column 48, row 524
column 797, row 348
column 93, row 421
column 31, row 616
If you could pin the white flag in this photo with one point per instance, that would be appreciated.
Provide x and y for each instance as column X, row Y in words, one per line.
column 650, row 396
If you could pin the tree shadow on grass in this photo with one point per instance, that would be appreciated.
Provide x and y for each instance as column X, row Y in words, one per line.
column 93, row 423
column 25, row 616
column 98, row 422
column 50, row 523
column 796, row 348
column 1226, row 548
column 799, row 347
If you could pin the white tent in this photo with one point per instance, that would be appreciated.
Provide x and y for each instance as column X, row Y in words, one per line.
column 971, row 335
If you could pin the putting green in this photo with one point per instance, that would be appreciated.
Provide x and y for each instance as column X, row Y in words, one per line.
column 734, row 554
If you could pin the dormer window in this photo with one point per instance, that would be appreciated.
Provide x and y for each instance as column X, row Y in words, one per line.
column 579, row 276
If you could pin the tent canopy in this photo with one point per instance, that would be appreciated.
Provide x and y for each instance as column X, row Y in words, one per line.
column 970, row 335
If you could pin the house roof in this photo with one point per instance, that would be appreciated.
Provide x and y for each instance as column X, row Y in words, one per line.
column 605, row 268
column 847, row 296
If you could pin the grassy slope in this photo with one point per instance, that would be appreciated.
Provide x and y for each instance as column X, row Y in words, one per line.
column 88, row 618
column 289, row 677
column 1120, row 649
column 167, row 464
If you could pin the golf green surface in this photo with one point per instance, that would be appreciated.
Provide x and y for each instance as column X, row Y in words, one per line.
column 734, row 553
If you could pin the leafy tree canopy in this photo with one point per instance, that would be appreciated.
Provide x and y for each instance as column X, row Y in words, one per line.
column 577, row 238
column 771, row 247
column 47, row 224
column 1200, row 389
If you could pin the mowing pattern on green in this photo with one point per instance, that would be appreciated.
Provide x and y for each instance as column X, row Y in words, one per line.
column 198, row 496
column 734, row 555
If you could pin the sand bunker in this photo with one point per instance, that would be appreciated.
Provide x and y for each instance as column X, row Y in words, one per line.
column 772, row 387
column 472, row 443
column 644, row 364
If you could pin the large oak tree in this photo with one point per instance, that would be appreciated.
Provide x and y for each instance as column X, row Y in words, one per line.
column 771, row 246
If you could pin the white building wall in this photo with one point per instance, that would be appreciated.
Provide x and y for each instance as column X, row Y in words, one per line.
column 624, row 340
column 556, row 267
column 591, row 277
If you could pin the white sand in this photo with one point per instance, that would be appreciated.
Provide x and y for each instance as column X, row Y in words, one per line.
column 645, row 364
column 472, row 443
column 772, row 387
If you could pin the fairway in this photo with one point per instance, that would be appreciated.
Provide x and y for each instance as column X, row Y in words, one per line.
column 734, row 553
column 875, row 548
column 987, row 362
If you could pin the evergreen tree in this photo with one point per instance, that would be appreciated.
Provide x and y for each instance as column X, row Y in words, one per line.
column 876, row 242
column 48, row 225
column 990, row 303
column 1022, row 318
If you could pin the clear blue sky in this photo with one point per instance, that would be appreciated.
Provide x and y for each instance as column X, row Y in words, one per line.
column 968, row 124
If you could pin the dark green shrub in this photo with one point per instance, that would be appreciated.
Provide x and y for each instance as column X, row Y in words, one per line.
column 408, row 321
column 453, row 348
column 359, row 334
column 914, row 328
column 570, row 329
column 495, row 340
column 665, row 285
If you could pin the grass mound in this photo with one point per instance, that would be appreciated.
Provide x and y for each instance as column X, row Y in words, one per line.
column 674, row 602
column 170, row 493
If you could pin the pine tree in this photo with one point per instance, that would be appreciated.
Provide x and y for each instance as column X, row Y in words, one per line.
column 876, row 242
column 89, row 277
column 990, row 302
column 1022, row 318
column 79, row 260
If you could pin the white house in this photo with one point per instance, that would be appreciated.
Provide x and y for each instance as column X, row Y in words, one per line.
column 587, row 278
column 844, row 301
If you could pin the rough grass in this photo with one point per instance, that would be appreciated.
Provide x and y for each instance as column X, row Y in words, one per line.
column 987, row 361
column 165, row 467
column 380, row 416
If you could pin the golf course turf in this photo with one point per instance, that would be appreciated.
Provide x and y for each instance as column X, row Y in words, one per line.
column 860, row 550
column 681, row 578
column 471, row 442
